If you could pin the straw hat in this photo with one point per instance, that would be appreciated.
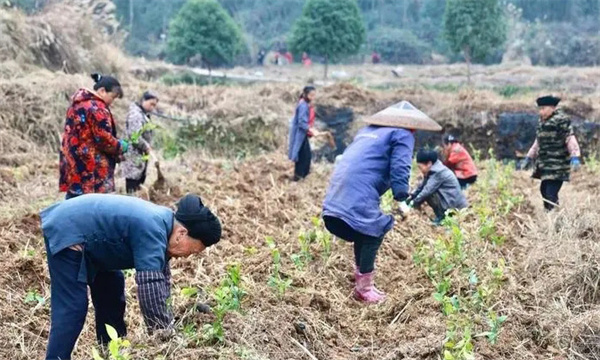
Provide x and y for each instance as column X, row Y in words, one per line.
column 404, row 115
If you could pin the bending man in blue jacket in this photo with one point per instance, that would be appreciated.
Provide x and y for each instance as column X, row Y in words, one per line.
column 89, row 239
column 440, row 188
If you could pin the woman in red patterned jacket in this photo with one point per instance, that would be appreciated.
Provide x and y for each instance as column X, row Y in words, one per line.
column 90, row 149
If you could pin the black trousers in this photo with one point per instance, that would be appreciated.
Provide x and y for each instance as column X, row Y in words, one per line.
column 365, row 246
column 549, row 190
column 133, row 185
column 435, row 201
column 302, row 168
column 466, row 182
column 69, row 303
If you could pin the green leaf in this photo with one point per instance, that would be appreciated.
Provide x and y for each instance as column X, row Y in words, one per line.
column 96, row 355
column 448, row 355
column 112, row 333
column 473, row 280
column 189, row 292
column 113, row 347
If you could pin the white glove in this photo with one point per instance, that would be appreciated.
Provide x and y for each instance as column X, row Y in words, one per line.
column 404, row 208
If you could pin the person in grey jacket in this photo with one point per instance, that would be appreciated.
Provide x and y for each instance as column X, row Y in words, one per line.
column 133, row 169
column 439, row 189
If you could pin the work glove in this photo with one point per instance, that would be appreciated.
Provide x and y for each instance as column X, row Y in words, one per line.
column 575, row 163
column 124, row 145
column 405, row 207
column 526, row 164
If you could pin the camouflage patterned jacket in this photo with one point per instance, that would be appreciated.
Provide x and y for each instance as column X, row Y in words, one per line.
column 554, row 146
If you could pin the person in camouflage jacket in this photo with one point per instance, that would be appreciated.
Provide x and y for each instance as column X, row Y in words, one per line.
column 555, row 150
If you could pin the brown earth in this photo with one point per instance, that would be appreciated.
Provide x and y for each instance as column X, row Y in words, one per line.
column 549, row 291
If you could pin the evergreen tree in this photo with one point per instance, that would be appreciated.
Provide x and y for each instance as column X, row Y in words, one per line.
column 202, row 28
column 474, row 28
column 332, row 29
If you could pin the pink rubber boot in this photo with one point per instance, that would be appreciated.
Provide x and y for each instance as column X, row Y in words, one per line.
column 365, row 289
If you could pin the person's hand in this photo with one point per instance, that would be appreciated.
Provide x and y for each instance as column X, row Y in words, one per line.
column 575, row 163
column 124, row 145
column 526, row 163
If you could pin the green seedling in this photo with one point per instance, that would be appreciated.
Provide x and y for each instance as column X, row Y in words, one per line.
column 190, row 331
column 28, row 253
column 233, row 283
column 34, row 297
column 592, row 162
column 461, row 350
column 495, row 323
column 228, row 297
column 189, row 292
column 276, row 281
column 118, row 348
column 280, row 284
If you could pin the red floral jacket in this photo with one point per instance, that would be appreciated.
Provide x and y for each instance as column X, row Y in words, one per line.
column 90, row 148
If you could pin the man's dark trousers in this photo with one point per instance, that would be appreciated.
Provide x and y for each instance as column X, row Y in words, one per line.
column 69, row 303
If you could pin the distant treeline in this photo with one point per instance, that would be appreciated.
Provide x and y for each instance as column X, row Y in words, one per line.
column 547, row 32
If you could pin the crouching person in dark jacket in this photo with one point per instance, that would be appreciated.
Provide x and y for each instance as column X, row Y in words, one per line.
column 89, row 239
column 439, row 189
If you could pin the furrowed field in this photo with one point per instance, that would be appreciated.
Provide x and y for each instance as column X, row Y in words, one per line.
column 500, row 280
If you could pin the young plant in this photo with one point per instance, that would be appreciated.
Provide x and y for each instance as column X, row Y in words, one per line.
column 118, row 348
column 34, row 297
column 276, row 281
column 323, row 237
column 233, row 283
column 228, row 297
column 495, row 322
column 189, row 292
column 592, row 162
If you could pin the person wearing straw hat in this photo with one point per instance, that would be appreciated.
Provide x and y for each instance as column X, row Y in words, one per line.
column 555, row 150
column 379, row 158
column 138, row 128
column 90, row 238
column 458, row 159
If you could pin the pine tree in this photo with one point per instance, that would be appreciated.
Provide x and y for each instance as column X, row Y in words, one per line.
column 203, row 28
column 332, row 29
column 474, row 28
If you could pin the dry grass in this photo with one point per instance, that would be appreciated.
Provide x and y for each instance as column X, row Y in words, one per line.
column 255, row 200
column 553, row 271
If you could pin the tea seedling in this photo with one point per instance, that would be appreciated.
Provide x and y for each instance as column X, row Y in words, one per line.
column 228, row 297
column 34, row 297
column 495, row 322
column 189, row 292
column 117, row 347
column 276, row 281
